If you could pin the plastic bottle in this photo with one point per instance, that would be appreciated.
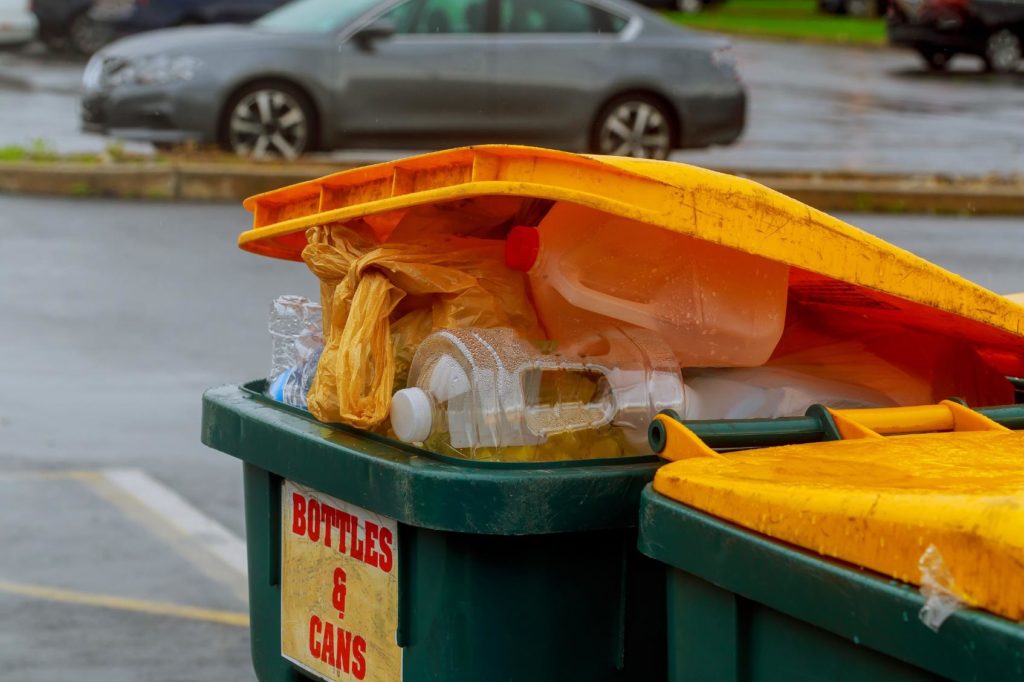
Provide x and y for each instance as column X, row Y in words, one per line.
column 487, row 393
column 715, row 306
column 296, row 329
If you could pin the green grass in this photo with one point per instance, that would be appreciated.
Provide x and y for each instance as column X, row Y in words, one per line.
column 784, row 19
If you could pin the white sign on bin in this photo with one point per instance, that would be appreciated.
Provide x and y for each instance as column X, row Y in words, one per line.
column 339, row 587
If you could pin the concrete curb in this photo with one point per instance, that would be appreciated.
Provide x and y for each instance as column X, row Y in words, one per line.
column 214, row 181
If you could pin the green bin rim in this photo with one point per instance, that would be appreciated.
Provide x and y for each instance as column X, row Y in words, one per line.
column 414, row 488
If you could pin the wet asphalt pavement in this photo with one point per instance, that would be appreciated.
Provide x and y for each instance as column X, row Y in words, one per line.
column 117, row 316
column 811, row 107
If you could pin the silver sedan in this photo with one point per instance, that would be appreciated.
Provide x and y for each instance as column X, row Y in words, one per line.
column 586, row 75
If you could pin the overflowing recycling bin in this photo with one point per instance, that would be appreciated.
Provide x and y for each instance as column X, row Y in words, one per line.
column 445, row 471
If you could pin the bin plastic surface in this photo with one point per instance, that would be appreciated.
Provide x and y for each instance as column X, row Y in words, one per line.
column 741, row 606
column 505, row 572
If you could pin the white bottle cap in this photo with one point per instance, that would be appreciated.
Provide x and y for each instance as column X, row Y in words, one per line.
column 412, row 415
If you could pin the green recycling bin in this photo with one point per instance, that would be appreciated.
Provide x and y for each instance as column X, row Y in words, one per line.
column 372, row 560
column 742, row 606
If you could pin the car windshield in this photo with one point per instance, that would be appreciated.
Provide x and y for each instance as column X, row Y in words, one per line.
column 315, row 16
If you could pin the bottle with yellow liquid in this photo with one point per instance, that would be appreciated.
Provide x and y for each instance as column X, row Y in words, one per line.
column 488, row 394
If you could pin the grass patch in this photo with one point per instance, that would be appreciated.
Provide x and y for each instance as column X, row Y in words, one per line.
column 784, row 19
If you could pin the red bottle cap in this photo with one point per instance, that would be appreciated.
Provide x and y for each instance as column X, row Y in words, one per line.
column 521, row 248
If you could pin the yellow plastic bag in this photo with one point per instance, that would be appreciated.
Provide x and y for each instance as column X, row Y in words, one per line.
column 380, row 300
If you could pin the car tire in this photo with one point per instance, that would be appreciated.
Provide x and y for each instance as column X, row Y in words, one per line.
column 689, row 6
column 936, row 60
column 86, row 35
column 267, row 120
column 1003, row 51
column 637, row 125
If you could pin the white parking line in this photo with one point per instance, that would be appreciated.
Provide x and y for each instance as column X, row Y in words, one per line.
column 175, row 511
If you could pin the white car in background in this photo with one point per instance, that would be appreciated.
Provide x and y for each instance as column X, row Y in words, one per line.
column 17, row 23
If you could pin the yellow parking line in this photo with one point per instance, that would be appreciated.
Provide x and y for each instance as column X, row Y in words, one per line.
column 125, row 604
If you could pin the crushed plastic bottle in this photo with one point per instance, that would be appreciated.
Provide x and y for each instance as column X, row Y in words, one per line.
column 296, row 329
column 714, row 306
column 487, row 394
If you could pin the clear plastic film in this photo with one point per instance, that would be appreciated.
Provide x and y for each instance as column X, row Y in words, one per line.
column 489, row 394
column 380, row 300
column 938, row 588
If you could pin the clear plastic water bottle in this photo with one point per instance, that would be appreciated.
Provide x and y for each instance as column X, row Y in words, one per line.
column 475, row 392
column 296, row 329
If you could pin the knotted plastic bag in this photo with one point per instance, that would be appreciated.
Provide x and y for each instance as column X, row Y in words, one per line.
column 380, row 300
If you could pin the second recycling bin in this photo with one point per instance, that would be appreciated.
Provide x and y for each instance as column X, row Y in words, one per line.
column 754, row 543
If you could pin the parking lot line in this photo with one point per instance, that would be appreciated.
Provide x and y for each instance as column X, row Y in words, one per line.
column 125, row 604
column 174, row 510
column 54, row 475
column 203, row 542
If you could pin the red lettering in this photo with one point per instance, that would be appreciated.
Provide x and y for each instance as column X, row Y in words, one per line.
column 327, row 655
column 339, row 592
column 315, row 625
column 314, row 520
column 356, row 548
column 343, row 519
column 371, row 538
column 358, row 657
column 344, row 647
column 298, row 514
column 330, row 513
column 386, row 559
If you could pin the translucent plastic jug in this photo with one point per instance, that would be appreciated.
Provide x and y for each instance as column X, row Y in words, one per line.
column 714, row 306
column 487, row 388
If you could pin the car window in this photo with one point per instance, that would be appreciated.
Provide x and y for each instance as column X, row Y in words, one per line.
column 556, row 16
column 439, row 16
column 314, row 16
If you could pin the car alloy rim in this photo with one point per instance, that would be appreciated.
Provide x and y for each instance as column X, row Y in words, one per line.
column 1004, row 50
column 636, row 129
column 268, row 123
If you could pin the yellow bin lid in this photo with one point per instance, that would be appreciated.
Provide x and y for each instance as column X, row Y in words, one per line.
column 878, row 502
column 833, row 264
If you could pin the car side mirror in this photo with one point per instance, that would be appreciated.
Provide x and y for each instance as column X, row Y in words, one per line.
column 381, row 29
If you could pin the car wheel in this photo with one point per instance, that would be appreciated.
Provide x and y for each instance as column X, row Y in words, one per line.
column 1003, row 51
column 636, row 126
column 935, row 60
column 268, row 120
column 86, row 35
column 690, row 6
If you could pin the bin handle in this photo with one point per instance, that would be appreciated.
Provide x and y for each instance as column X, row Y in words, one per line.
column 673, row 439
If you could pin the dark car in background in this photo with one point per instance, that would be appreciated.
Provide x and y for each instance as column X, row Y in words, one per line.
column 125, row 17
column 84, row 26
column 601, row 75
column 938, row 30
column 854, row 8
column 688, row 6
column 66, row 24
